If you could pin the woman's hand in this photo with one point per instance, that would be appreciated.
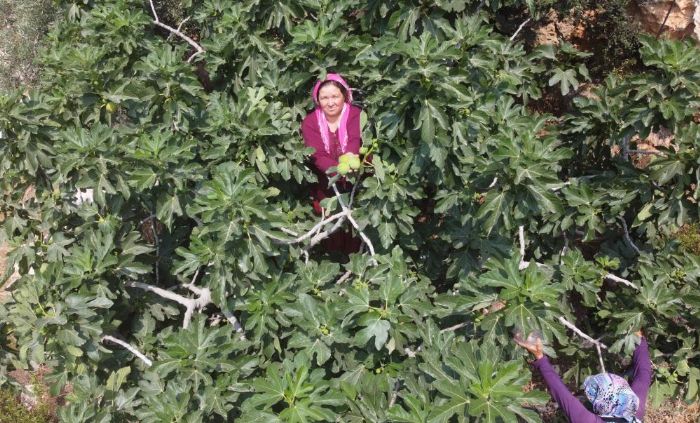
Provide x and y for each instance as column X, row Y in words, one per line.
column 535, row 348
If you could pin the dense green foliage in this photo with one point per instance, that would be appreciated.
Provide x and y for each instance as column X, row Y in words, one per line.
column 197, row 167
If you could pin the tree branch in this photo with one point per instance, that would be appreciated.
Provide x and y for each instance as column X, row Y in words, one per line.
column 190, row 304
column 177, row 32
column 580, row 333
column 614, row 278
column 354, row 222
column 310, row 233
column 454, row 328
column 129, row 347
column 520, row 28
column 523, row 263
column 627, row 236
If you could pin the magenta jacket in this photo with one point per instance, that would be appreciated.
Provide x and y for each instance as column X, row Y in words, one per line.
column 572, row 407
column 312, row 138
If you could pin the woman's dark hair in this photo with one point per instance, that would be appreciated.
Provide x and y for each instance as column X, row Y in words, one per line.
column 336, row 84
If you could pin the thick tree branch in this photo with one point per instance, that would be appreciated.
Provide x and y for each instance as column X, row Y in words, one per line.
column 177, row 32
column 129, row 347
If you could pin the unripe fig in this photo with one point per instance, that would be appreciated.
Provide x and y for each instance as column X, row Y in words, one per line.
column 364, row 150
column 354, row 163
column 111, row 107
column 344, row 158
column 343, row 168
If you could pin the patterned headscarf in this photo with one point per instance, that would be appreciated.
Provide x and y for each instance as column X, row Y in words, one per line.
column 611, row 396
column 321, row 117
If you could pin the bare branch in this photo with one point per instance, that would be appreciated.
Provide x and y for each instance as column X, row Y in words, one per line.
column 132, row 349
column 600, row 357
column 614, row 278
column 454, row 328
column 236, row 324
column 289, row 232
column 354, row 222
column 310, row 233
column 394, row 393
column 580, row 333
column 521, row 238
column 177, row 32
column 190, row 304
column 520, row 28
column 627, row 236
column 345, row 277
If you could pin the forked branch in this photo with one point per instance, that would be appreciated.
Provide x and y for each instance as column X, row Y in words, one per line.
column 353, row 221
column 177, row 32
column 599, row 345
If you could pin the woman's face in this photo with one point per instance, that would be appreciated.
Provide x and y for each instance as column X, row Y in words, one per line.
column 331, row 100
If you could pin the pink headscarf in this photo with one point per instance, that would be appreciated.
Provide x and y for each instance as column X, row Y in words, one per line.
column 321, row 117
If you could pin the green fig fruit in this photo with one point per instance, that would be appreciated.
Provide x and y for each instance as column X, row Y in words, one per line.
column 364, row 150
column 343, row 168
column 354, row 163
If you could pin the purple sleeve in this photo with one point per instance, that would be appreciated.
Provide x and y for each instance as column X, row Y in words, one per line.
column 312, row 138
column 568, row 403
column 641, row 375
column 354, row 131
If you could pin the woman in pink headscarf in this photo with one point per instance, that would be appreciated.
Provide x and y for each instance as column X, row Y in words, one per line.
column 332, row 129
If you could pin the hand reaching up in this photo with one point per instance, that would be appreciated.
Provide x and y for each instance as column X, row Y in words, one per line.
column 534, row 346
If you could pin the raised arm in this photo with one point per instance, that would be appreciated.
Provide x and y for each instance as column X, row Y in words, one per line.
column 568, row 403
column 641, row 375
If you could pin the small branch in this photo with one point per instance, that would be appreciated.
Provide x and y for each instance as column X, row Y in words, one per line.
column 345, row 277
column 578, row 331
column 177, row 32
column 614, row 278
column 493, row 183
column 313, row 231
column 521, row 238
column 600, row 357
column 234, row 321
column 132, row 349
column 289, row 232
column 394, row 393
column 663, row 24
column 627, row 236
column 454, row 328
column 520, row 28
column 354, row 222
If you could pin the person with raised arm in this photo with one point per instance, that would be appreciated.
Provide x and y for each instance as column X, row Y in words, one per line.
column 612, row 399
